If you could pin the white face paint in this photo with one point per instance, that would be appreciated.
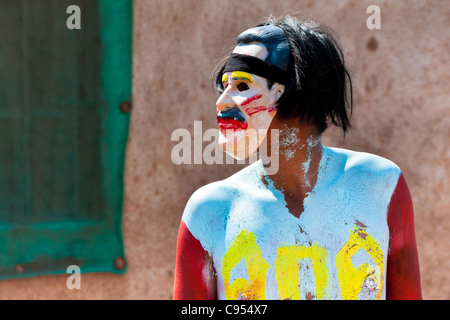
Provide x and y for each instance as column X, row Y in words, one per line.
column 246, row 107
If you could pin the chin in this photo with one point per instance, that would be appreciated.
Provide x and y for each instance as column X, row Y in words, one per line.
column 239, row 150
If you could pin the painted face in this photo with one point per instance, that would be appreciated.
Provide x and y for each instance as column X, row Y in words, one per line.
column 246, row 107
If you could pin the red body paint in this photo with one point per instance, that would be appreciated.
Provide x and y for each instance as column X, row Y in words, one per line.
column 191, row 259
column 403, row 273
column 251, row 99
column 230, row 124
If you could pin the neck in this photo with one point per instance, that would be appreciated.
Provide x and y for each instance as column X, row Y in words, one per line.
column 300, row 152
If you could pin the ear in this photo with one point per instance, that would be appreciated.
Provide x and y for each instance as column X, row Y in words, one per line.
column 277, row 90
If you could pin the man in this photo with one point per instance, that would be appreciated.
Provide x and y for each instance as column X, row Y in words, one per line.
column 330, row 223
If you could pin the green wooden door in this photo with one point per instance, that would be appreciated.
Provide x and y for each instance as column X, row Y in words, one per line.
column 63, row 135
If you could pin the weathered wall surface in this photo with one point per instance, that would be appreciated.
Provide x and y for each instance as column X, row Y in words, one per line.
column 401, row 112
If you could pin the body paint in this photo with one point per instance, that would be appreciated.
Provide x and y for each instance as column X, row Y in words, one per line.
column 240, row 75
column 273, row 39
column 231, row 113
column 251, row 99
column 240, row 219
column 230, row 124
column 231, row 119
column 289, row 141
column 403, row 271
column 245, row 247
column 287, row 270
column 252, row 111
column 312, row 142
column 224, row 77
column 191, row 274
column 352, row 279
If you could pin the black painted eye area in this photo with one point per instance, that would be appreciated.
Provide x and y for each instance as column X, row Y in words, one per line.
column 242, row 86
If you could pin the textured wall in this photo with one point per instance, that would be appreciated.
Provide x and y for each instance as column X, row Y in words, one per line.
column 401, row 112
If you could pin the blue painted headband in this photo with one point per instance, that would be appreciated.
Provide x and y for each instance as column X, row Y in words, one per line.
column 275, row 65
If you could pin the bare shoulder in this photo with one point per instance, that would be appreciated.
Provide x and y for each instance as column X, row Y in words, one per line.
column 365, row 164
column 218, row 194
column 208, row 207
column 369, row 175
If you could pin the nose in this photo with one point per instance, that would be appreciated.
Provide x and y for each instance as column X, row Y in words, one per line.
column 225, row 101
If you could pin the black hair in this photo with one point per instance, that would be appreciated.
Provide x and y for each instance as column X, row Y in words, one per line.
column 319, row 90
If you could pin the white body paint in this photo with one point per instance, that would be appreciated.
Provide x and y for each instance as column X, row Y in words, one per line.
column 289, row 141
column 352, row 187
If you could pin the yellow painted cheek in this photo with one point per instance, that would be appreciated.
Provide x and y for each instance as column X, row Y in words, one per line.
column 351, row 279
column 244, row 247
column 287, row 270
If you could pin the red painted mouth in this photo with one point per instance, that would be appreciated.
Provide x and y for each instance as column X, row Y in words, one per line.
column 226, row 124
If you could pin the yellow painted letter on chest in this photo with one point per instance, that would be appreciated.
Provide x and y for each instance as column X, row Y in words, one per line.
column 287, row 270
column 351, row 279
column 244, row 247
